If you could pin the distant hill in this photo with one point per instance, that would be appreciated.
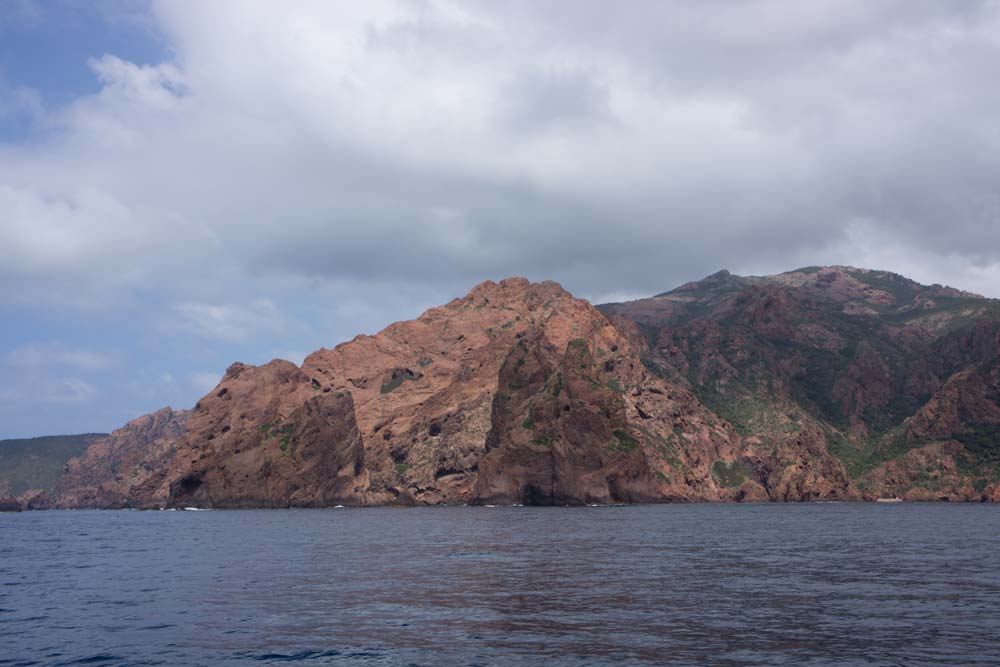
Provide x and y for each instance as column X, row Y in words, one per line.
column 36, row 463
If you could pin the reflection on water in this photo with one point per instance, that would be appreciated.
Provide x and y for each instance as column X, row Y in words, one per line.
column 816, row 584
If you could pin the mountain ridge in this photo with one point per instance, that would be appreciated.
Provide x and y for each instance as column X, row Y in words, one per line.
column 860, row 353
column 832, row 383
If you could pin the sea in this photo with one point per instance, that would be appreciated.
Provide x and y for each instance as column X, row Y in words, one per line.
column 809, row 584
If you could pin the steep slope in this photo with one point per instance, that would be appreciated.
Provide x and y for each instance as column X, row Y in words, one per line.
column 263, row 438
column 102, row 475
column 433, row 394
column 830, row 365
column 950, row 449
column 434, row 410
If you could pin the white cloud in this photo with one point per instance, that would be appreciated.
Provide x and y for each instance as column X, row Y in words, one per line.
column 19, row 101
column 148, row 85
column 84, row 239
column 230, row 322
column 204, row 381
column 49, row 236
column 36, row 356
column 67, row 391
column 439, row 142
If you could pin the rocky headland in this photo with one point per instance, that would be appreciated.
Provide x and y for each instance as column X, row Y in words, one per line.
column 825, row 383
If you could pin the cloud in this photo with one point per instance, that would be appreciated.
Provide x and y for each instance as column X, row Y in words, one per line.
column 56, row 244
column 49, row 374
column 354, row 163
column 204, row 381
column 561, row 140
column 18, row 102
column 54, row 355
column 229, row 322
column 67, row 390
column 549, row 100
column 158, row 87
column 429, row 142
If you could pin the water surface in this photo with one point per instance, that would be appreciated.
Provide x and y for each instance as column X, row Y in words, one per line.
column 796, row 584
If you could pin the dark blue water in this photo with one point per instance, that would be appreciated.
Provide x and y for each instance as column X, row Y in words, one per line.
column 828, row 584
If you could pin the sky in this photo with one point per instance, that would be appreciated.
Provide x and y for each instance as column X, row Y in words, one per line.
column 184, row 184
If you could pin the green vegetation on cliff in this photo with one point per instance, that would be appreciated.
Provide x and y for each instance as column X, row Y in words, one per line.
column 36, row 463
column 836, row 362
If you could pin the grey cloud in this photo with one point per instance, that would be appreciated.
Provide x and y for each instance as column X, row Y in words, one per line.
column 438, row 144
column 228, row 322
column 534, row 100
column 38, row 356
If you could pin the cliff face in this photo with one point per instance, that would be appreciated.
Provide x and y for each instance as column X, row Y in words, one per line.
column 515, row 393
column 484, row 385
column 263, row 438
column 810, row 385
column 104, row 473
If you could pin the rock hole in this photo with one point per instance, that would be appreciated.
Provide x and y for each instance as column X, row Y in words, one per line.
column 188, row 485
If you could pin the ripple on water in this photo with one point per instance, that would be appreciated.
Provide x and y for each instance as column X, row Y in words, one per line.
column 98, row 659
column 699, row 585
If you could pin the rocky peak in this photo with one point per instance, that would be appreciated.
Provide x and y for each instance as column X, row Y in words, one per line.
column 720, row 280
column 511, row 293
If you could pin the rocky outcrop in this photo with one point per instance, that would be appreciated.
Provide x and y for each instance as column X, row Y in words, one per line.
column 823, row 384
column 560, row 434
column 264, row 438
column 797, row 466
column 36, row 499
column 930, row 472
column 965, row 408
column 516, row 392
column 104, row 474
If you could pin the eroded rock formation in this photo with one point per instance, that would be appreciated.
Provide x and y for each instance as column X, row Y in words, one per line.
column 829, row 383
